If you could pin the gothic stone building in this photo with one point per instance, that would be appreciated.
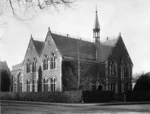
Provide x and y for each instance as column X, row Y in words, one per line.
column 63, row 63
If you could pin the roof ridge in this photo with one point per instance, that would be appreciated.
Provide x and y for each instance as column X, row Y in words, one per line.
column 72, row 37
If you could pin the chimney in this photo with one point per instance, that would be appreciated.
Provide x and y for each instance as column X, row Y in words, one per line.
column 107, row 38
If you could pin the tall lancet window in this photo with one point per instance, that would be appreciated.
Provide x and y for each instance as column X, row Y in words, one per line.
column 126, row 70
column 113, row 68
column 45, row 62
column 53, row 84
column 34, row 65
column 28, row 85
column 53, row 61
column 28, row 66
column 45, row 84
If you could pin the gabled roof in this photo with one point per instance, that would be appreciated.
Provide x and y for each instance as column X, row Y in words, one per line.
column 106, row 49
column 38, row 46
column 69, row 47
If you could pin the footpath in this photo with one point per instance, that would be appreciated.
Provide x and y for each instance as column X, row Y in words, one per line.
column 73, row 104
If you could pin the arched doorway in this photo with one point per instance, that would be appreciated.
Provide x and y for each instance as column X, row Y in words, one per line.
column 100, row 88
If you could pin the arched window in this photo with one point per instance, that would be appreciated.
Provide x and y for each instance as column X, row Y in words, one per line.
column 28, row 85
column 45, row 62
column 33, row 85
column 34, row 65
column 45, row 83
column 113, row 69
column 53, row 84
column 126, row 70
column 19, row 83
column 100, row 87
column 28, row 66
column 53, row 61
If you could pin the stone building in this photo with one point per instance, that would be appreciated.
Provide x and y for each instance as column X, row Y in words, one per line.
column 17, row 76
column 64, row 63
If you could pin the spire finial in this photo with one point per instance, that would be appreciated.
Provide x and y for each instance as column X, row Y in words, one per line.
column 96, row 8
column 31, row 36
column 119, row 33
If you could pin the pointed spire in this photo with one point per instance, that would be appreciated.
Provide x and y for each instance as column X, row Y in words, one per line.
column 96, row 29
column 31, row 36
column 96, row 24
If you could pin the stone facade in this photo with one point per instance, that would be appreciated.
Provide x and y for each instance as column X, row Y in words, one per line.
column 17, row 77
column 63, row 63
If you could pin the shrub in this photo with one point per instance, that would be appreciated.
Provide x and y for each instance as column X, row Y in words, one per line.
column 8, row 95
column 138, row 96
column 143, row 83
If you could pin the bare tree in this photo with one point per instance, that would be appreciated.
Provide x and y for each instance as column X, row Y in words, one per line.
column 76, row 69
column 80, row 65
column 21, row 8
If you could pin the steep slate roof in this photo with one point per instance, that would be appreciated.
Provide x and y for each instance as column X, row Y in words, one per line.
column 68, row 47
column 38, row 46
column 106, row 49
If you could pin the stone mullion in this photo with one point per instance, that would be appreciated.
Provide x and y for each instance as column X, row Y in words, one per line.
column 48, row 64
column 35, row 85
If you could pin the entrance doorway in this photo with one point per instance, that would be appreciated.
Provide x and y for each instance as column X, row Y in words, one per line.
column 100, row 88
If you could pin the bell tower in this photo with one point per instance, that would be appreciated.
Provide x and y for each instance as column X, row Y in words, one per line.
column 96, row 30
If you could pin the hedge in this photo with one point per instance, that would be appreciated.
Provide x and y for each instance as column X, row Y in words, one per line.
column 75, row 96
column 138, row 96
column 98, row 96
column 62, row 97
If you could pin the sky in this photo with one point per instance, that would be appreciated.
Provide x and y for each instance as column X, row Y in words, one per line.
column 130, row 17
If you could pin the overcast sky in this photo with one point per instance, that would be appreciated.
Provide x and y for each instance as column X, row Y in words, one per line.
column 130, row 17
